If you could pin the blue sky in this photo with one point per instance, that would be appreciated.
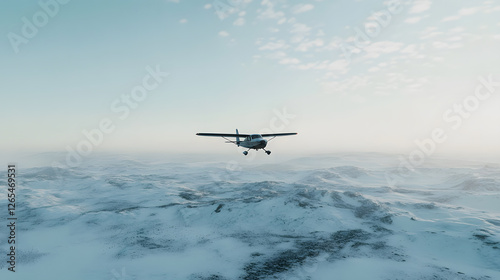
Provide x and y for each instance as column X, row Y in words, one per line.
column 351, row 75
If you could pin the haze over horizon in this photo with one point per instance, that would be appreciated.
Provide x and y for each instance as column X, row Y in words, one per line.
column 348, row 76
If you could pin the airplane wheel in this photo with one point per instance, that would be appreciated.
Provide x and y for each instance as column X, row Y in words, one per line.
column 245, row 153
column 268, row 152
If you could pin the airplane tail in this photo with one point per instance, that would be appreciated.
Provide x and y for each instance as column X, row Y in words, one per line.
column 237, row 138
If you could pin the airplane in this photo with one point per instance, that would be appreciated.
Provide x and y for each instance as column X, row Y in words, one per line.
column 251, row 141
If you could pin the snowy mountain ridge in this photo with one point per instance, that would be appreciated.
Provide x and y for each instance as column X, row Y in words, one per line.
column 334, row 218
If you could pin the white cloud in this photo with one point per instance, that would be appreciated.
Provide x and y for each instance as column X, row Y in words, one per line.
column 440, row 45
column 450, row 18
column 430, row 32
column 239, row 22
column 207, row 6
column 410, row 50
column 300, row 28
column 183, row 20
column 223, row 34
column 468, row 11
column 269, row 12
column 307, row 66
column 420, row 6
column 334, row 43
column 302, row 8
column 271, row 46
column 276, row 55
column 323, row 65
column 339, row 66
column 455, row 38
column 289, row 60
column 465, row 12
column 304, row 46
column 444, row 45
column 349, row 84
column 413, row 20
column 457, row 30
column 299, row 31
column 374, row 50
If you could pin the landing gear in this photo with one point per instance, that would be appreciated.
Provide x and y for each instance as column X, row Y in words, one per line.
column 246, row 152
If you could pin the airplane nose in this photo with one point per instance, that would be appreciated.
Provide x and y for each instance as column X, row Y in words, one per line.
column 263, row 142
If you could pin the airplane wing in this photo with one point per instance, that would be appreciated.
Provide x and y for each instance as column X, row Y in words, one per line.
column 222, row 135
column 278, row 134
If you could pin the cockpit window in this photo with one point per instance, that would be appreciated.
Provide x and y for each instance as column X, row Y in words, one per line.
column 256, row 136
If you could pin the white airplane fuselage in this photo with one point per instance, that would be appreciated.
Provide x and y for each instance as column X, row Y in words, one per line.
column 254, row 141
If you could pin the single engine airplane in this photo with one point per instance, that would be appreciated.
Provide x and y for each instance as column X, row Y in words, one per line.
column 251, row 141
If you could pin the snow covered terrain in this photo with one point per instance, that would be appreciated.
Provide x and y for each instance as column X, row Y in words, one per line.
column 330, row 217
